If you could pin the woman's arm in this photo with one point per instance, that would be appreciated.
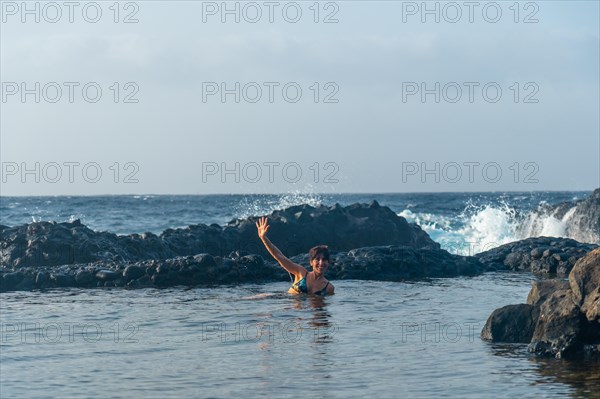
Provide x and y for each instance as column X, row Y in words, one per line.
column 287, row 264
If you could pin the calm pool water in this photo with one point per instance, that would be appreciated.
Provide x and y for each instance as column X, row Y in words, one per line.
column 381, row 339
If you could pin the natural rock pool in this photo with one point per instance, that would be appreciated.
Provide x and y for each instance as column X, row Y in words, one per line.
column 382, row 339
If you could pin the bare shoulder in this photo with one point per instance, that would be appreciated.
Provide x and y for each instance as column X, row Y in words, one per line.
column 297, row 270
column 330, row 289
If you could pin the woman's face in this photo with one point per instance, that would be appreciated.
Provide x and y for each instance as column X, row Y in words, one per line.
column 319, row 264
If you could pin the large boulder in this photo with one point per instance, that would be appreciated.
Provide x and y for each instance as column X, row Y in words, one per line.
column 296, row 229
column 511, row 323
column 584, row 281
column 541, row 290
column 559, row 328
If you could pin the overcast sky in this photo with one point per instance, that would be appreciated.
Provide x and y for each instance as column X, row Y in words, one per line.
column 381, row 98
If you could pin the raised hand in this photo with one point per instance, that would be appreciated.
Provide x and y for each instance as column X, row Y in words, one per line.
column 262, row 227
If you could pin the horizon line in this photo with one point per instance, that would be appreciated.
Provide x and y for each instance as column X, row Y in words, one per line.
column 298, row 193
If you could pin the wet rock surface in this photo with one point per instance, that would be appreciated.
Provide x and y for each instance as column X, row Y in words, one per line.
column 398, row 263
column 294, row 230
column 540, row 255
column 584, row 281
column 567, row 325
column 511, row 323
column 541, row 290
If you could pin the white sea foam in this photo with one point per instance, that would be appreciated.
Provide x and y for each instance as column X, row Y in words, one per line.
column 427, row 221
column 488, row 226
column 443, row 230
column 252, row 206
column 74, row 217
column 482, row 227
column 544, row 223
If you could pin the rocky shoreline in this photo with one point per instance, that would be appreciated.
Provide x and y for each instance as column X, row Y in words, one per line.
column 368, row 241
column 560, row 319
column 295, row 230
column 390, row 263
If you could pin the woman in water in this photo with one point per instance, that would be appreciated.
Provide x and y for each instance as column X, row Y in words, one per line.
column 306, row 282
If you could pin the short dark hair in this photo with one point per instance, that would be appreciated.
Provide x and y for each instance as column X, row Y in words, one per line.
column 319, row 250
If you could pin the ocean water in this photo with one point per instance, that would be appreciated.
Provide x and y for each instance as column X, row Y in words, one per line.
column 378, row 339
